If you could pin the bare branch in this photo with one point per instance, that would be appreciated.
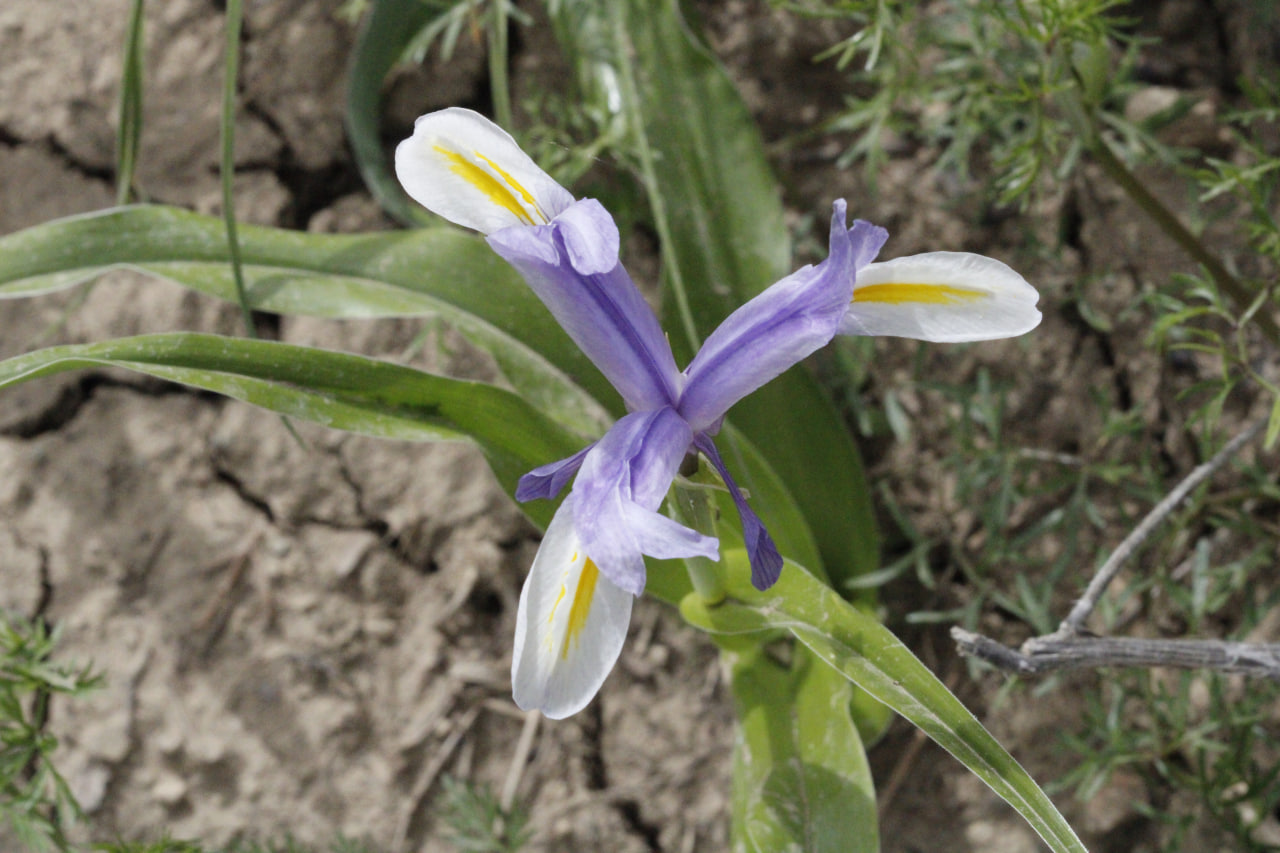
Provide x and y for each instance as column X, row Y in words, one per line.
column 1074, row 623
column 1045, row 654
column 1069, row 648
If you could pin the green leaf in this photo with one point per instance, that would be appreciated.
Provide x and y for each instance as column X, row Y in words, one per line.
column 870, row 656
column 388, row 28
column 337, row 390
column 717, row 209
column 129, row 109
column 1273, row 426
column 801, row 779
column 438, row 271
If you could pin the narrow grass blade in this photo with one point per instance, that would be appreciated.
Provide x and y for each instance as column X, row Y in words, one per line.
column 227, row 157
column 129, row 114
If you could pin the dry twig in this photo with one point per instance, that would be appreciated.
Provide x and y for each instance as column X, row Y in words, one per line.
column 1069, row 647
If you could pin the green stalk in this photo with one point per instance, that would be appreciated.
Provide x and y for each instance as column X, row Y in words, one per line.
column 1167, row 222
column 691, row 505
column 130, row 114
column 227, row 174
column 631, row 100
column 498, row 62
column 235, row 18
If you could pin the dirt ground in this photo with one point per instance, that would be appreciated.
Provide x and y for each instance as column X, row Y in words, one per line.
column 301, row 639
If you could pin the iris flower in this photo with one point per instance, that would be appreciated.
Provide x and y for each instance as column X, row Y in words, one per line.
column 576, row 603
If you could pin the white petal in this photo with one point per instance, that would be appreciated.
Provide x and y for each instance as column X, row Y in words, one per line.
column 462, row 166
column 570, row 626
column 941, row 296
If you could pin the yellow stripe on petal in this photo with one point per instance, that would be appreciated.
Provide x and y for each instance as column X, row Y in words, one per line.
column 529, row 200
column 487, row 184
column 581, row 607
column 929, row 294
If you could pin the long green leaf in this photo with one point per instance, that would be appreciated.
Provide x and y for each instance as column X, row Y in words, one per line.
column 129, row 112
column 801, row 779
column 386, row 31
column 869, row 655
column 337, row 390
column 439, row 271
column 718, row 212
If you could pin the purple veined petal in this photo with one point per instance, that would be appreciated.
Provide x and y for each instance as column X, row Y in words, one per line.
column 778, row 328
column 546, row 481
column 620, row 485
column 462, row 166
column 766, row 562
column 570, row 625
column 572, row 265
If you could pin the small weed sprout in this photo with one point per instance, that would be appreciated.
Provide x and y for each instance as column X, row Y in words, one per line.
column 35, row 800
column 477, row 821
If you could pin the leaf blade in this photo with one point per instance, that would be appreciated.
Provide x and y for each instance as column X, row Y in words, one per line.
column 338, row 390
column 438, row 271
column 870, row 656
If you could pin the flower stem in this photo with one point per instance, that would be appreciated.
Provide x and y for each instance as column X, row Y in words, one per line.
column 691, row 506
column 498, row 56
column 1179, row 233
column 228, row 162
column 635, row 122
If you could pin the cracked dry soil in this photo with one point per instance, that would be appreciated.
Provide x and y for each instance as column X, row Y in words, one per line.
column 299, row 637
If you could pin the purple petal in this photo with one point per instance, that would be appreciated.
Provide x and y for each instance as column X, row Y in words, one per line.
column 665, row 539
column 867, row 240
column 590, row 237
column 620, row 485
column 572, row 265
column 766, row 562
column 778, row 328
column 546, row 481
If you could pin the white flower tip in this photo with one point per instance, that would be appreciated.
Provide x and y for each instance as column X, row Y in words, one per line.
column 570, row 626
column 946, row 297
column 462, row 166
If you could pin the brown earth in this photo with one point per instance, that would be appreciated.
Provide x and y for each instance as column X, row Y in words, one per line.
column 300, row 638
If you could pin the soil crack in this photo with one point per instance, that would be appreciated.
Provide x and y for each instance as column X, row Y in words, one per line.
column 242, row 491
column 73, row 397
column 597, row 774
column 46, row 586
column 371, row 522
column 311, row 190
